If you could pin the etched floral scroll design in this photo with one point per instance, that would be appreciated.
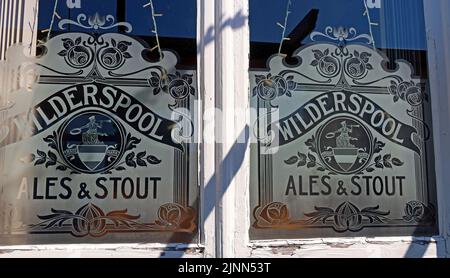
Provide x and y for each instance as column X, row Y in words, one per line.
column 342, row 35
column 90, row 220
column 80, row 53
column 419, row 213
column 334, row 61
column 347, row 217
column 379, row 161
column 95, row 22
column 51, row 158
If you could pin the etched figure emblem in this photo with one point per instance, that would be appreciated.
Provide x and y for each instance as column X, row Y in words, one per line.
column 92, row 142
column 345, row 145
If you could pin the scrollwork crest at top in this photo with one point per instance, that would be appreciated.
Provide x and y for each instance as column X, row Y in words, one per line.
column 95, row 22
column 342, row 35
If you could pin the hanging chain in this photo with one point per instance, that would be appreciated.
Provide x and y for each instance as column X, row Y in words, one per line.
column 371, row 23
column 33, row 26
column 284, row 27
column 54, row 15
column 155, row 28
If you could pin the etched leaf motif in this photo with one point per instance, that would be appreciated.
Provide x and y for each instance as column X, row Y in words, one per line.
column 61, row 168
column 68, row 43
column 42, row 158
column 52, row 156
column 378, row 159
column 311, row 157
column 292, row 160
column 311, row 143
column 141, row 162
column 123, row 46
column 387, row 164
column 41, row 153
column 397, row 162
column 156, row 91
column 153, row 160
column 131, row 142
column 301, row 160
column 318, row 54
column 51, row 141
column 378, row 146
column 188, row 78
column 130, row 160
column 141, row 155
column 52, row 159
column 259, row 78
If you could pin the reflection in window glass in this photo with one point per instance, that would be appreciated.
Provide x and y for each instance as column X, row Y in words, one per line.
column 176, row 35
column 343, row 119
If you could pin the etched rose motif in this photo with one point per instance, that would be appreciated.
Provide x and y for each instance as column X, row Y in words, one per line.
column 408, row 91
column 90, row 222
column 414, row 96
column 170, row 214
column 419, row 213
column 275, row 214
column 114, row 57
column 177, row 85
column 300, row 160
column 270, row 87
column 326, row 64
column 75, row 54
column 179, row 89
column 358, row 65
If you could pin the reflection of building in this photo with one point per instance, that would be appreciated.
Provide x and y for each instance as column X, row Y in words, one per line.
column 18, row 22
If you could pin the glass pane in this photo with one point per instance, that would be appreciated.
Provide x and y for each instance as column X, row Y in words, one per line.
column 99, row 149
column 341, row 119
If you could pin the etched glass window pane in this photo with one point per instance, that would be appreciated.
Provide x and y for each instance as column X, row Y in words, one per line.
column 341, row 102
column 99, row 148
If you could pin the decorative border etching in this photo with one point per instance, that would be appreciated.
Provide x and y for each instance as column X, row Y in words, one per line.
column 95, row 22
column 91, row 220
